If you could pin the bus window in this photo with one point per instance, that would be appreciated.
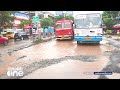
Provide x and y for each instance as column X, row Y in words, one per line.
column 67, row 25
column 58, row 26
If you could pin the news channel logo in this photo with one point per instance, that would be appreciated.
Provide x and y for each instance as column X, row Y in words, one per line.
column 97, row 73
column 15, row 72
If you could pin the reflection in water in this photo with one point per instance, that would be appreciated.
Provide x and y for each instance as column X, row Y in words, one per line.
column 88, row 49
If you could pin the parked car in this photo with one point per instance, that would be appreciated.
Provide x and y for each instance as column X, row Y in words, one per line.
column 21, row 35
column 3, row 40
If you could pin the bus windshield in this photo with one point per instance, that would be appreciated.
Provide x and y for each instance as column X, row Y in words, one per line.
column 67, row 25
column 88, row 21
column 59, row 26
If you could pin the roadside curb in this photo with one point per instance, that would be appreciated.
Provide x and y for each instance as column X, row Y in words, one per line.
column 42, row 40
column 29, row 45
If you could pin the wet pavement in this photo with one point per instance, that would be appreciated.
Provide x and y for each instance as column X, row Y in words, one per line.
column 70, row 69
column 60, row 59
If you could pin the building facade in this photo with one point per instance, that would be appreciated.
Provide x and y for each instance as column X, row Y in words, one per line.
column 41, row 14
column 26, row 15
column 18, row 18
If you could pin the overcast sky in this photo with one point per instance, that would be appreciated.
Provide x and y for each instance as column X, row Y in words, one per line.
column 80, row 12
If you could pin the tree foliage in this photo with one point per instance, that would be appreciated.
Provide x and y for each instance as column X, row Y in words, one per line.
column 58, row 18
column 68, row 17
column 111, row 14
column 25, row 22
column 109, row 18
column 6, row 20
column 46, row 22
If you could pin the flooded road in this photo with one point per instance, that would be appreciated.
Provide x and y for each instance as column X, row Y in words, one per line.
column 86, row 57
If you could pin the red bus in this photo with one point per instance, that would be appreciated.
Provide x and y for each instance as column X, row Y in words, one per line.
column 64, row 29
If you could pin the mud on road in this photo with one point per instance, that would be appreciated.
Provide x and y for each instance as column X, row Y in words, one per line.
column 54, row 52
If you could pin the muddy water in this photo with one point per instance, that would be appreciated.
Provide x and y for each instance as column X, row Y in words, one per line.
column 56, row 49
column 50, row 50
column 7, row 60
column 69, row 70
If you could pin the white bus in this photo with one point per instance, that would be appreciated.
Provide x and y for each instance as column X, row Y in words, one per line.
column 88, row 28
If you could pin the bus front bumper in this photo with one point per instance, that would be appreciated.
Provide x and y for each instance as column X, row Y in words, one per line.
column 88, row 39
column 61, row 37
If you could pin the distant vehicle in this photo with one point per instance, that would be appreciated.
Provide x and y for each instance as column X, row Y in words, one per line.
column 28, row 30
column 21, row 35
column 64, row 29
column 88, row 28
column 3, row 40
column 10, row 35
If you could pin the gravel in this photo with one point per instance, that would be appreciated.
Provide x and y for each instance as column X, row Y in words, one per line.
column 83, row 58
column 112, row 65
column 1, row 62
column 114, row 57
column 102, row 77
column 114, row 44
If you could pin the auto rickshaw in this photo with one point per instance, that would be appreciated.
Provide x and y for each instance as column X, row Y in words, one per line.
column 10, row 35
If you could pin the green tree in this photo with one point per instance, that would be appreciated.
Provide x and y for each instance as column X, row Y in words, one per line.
column 109, row 18
column 58, row 18
column 69, row 17
column 6, row 20
column 108, row 32
column 22, row 23
column 25, row 22
column 111, row 14
column 46, row 22
column 64, row 17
